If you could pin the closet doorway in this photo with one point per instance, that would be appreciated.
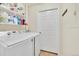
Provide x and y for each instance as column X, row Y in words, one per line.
column 48, row 24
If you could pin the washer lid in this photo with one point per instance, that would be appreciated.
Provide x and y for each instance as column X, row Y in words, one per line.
column 14, row 38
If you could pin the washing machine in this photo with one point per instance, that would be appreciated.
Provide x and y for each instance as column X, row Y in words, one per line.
column 19, row 44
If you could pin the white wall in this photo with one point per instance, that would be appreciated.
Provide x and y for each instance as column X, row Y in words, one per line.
column 34, row 10
column 69, row 30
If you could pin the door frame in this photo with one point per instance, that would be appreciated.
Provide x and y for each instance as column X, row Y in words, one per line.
column 60, row 26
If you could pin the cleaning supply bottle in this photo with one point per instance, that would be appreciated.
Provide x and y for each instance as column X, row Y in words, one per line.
column 18, row 23
column 22, row 22
column 27, row 27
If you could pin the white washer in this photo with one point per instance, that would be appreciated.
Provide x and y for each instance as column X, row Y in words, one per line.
column 19, row 44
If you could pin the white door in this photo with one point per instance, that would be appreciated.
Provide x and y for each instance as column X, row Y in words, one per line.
column 48, row 24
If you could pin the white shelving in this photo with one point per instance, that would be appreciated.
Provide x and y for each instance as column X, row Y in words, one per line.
column 6, row 9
